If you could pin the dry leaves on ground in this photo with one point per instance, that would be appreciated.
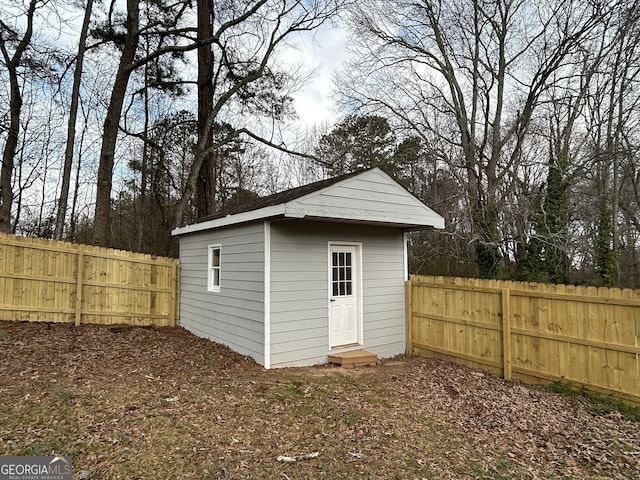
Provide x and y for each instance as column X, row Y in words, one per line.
column 132, row 402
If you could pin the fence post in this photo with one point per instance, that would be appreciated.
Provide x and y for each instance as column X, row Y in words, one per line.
column 409, row 314
column 80, row 275
column 506, row 333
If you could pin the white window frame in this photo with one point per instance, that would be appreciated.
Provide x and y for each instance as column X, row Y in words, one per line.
column 211, row 286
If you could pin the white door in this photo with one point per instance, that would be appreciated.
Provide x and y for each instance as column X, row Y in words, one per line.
column 344, row 295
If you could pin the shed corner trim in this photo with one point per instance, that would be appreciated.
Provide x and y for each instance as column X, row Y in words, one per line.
column 267, row 294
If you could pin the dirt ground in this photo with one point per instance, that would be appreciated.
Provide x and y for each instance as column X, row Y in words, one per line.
column 138, row 403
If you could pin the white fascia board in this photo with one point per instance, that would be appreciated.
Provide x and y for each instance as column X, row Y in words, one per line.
column 430, row 219
column 297, row 210
column 244, row 217
column 436, row 221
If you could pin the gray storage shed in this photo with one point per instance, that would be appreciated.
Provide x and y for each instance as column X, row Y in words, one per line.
column 300, row 275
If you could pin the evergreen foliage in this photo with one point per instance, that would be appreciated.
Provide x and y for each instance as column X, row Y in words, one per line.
column 359, row 142
column 546, row 258
column 606, row 253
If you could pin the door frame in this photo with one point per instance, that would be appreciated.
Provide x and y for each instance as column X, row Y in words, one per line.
column 357, row 272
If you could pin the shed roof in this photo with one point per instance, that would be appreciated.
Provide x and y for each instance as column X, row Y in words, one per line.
column 369, row 196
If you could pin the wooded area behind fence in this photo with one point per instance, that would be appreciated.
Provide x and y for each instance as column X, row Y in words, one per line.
column 533, row 332
column 50, row 281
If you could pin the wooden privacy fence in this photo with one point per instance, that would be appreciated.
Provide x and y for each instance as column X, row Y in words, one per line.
column 49, row 281
column 537, row 333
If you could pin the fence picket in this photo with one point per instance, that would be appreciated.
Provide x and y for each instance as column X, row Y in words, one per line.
column 50, row 281
column 582, row 335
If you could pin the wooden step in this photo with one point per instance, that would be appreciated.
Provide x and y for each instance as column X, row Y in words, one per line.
column 355, row 358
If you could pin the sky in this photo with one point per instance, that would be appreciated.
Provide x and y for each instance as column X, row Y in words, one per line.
column 325, row 52
column 322, row 52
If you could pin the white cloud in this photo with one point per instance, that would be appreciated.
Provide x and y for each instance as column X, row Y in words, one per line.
column 324, row 52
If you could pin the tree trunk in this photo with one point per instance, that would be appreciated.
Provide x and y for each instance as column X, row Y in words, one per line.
column 102, row 220
column 205, row 189
column 74, row 199
column 71, row 125
column 143, row 220
column 10, row 147
column 15, row 107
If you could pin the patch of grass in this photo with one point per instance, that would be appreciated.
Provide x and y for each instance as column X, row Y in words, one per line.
column 3, row 335
column 66, row 395
column 211, row 359
column 50, row 445
column 419, row 468
column 596, row 403
column 502, row 471
column 119, row 438
column 352, row 418
column 295, row 387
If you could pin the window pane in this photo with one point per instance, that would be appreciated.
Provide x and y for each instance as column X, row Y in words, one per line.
column 348, row 259
column 341, row 258
column 215, row 257
column 334, row 259
column 335, row 289
column 342, row 289
column 216, row 277
column 348, row 288
column 348, row 274
column 342, row 273
column 335, row 274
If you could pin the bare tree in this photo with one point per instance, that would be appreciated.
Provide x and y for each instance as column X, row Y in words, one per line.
column 246, row 37
column 468, row 78
column 612, row 121
column 545, row 249
column 164, row 25
column 246, row 40
column 71, row 124
column 12, row 62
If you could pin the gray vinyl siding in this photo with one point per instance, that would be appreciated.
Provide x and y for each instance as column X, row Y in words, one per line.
column 299, row 289
column 371, row 196
column 235, row 315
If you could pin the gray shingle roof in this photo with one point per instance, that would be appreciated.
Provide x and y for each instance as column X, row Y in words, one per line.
column 278, row 198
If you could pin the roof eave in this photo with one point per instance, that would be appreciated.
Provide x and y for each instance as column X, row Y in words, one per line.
column 244, row 217
column 280, row 212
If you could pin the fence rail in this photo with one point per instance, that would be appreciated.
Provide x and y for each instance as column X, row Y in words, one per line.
column 537, row 333
column 50, row 281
